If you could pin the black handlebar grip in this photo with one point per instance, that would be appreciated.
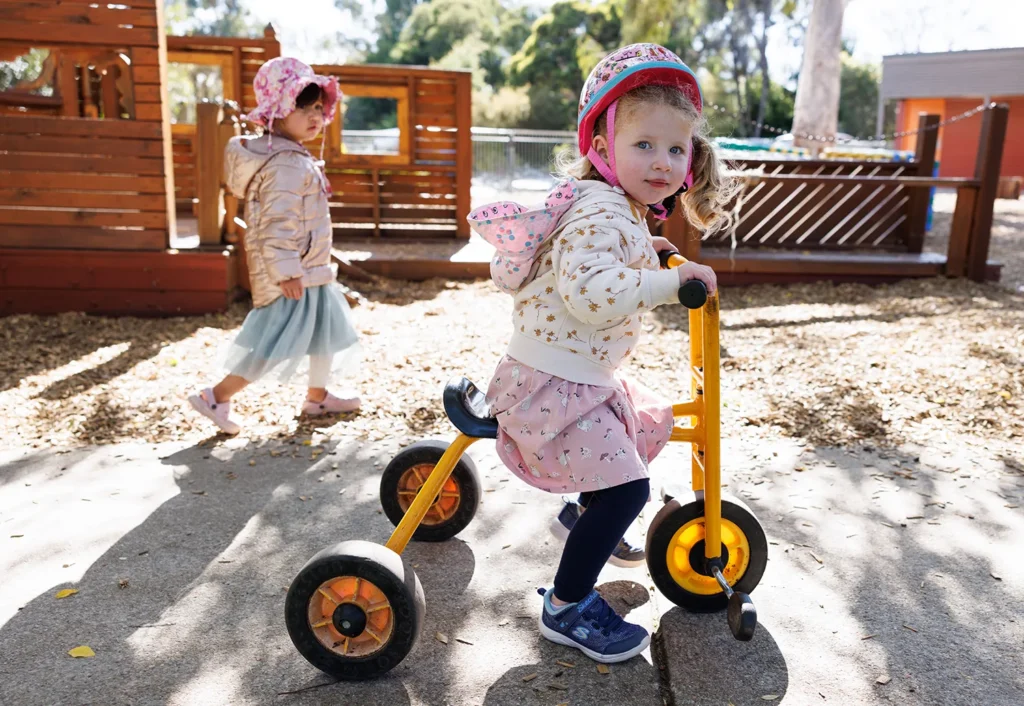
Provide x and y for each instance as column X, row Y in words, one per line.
column 664, row 255
column 693, row 294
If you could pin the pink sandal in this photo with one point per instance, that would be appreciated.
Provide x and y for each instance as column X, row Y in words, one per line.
column 219, row 412
column 330, row 405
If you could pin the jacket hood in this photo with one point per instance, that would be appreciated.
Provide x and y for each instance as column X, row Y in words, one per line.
column 245, row 156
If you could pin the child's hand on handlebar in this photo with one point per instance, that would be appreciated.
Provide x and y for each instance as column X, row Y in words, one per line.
column 691, row 270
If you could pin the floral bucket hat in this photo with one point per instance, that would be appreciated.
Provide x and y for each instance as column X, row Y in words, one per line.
column 278, row 84
column 517, row 233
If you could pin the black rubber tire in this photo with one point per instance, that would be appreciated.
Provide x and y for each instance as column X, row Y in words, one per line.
column 677, row 513
column 464, row 474
column 391, row 573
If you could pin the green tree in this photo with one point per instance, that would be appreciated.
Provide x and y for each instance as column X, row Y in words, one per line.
column 389, row 27
column 218, row 18
column 435, row 27
column 858, row 97
column 563, row 46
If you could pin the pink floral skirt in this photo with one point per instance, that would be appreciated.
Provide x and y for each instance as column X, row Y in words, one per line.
column 567, row 437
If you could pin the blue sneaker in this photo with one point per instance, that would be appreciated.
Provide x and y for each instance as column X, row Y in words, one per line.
column 626, row 555
column 593, row 628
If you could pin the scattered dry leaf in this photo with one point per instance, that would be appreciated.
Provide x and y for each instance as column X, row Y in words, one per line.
column 65, row 592
column 868, row 637
column 503, row 622
column 770, row 697
column 884, row 679
column 441, row 637
column 530, row 677
column 603, row 669
column 464, row 642
column 997, row 578
column 563, row 663
column 82, row 651
column 910, row 628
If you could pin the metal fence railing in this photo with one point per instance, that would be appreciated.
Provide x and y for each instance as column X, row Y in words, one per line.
column 502, row 157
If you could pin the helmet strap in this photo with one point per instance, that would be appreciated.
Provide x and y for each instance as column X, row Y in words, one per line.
column 608, row 172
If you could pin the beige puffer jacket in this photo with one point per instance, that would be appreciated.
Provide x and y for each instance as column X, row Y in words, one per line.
column 288, row 223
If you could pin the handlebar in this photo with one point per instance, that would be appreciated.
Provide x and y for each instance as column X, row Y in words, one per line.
column 693, row 294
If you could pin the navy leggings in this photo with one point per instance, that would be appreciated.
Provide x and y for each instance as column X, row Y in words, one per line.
column 595, row 535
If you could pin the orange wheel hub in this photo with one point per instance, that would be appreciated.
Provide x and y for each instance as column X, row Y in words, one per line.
column 445, row 504
column 344, row 596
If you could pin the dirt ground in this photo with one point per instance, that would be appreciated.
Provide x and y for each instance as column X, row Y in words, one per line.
column 918, row 362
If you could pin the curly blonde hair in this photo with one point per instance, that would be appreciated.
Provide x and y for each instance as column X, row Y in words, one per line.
column 705, row 202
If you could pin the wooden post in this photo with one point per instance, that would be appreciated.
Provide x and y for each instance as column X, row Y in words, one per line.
column 89, row 107
column 208, row 162
column 690, row 237
column 463, row 152
column 68, row 87
column 165, row 127
column 986, row 169
column 960, row 231
column 229, row 127
column 108, row 92
column 924, row 160
column 680, row 233
column 270, row 43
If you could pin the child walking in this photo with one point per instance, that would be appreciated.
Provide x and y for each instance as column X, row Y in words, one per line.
column 300, row 322
column 583, row 270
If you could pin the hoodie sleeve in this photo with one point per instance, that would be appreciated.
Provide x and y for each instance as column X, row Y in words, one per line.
column 591, row 263
column 281, row 221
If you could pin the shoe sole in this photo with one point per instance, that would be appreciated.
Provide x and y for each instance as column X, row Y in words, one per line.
column 561, row 639
column 198, row 404
column 560, row 532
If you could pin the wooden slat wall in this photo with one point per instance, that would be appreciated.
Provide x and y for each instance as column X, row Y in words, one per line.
column 184, row 170
column 78, row 183
column 74, row 182
column 429, row 197
column 130, row 23
column 820, row 216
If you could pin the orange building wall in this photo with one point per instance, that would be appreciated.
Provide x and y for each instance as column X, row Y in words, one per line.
column 957, row 147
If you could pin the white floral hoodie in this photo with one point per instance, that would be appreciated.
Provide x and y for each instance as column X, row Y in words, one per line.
column 583, row 270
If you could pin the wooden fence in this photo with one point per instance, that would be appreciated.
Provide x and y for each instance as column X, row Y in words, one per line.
column 421, row 190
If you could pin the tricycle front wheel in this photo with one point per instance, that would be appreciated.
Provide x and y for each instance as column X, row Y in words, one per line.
column 675, row 553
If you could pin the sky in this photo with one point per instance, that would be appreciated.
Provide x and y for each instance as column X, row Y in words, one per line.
column 875, row 27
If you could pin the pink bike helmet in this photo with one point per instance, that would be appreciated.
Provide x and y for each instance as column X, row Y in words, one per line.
column 617, row 74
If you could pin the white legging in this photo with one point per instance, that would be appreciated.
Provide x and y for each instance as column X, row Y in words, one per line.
column 320, row 370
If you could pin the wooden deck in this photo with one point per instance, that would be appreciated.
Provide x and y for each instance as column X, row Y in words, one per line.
column 161, row 283
column 460, row 259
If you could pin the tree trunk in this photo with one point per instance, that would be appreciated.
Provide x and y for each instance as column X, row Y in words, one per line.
column 817, row 93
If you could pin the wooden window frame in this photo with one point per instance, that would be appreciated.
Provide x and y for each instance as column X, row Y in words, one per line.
column 403, row 112
column 226, row 62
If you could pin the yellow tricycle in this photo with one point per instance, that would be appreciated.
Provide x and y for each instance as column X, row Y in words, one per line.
column 356, row 609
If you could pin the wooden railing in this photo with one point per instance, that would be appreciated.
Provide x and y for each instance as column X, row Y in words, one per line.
column 857, row 207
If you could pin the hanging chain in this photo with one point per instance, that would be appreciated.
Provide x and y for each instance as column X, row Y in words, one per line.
column 881, row 139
